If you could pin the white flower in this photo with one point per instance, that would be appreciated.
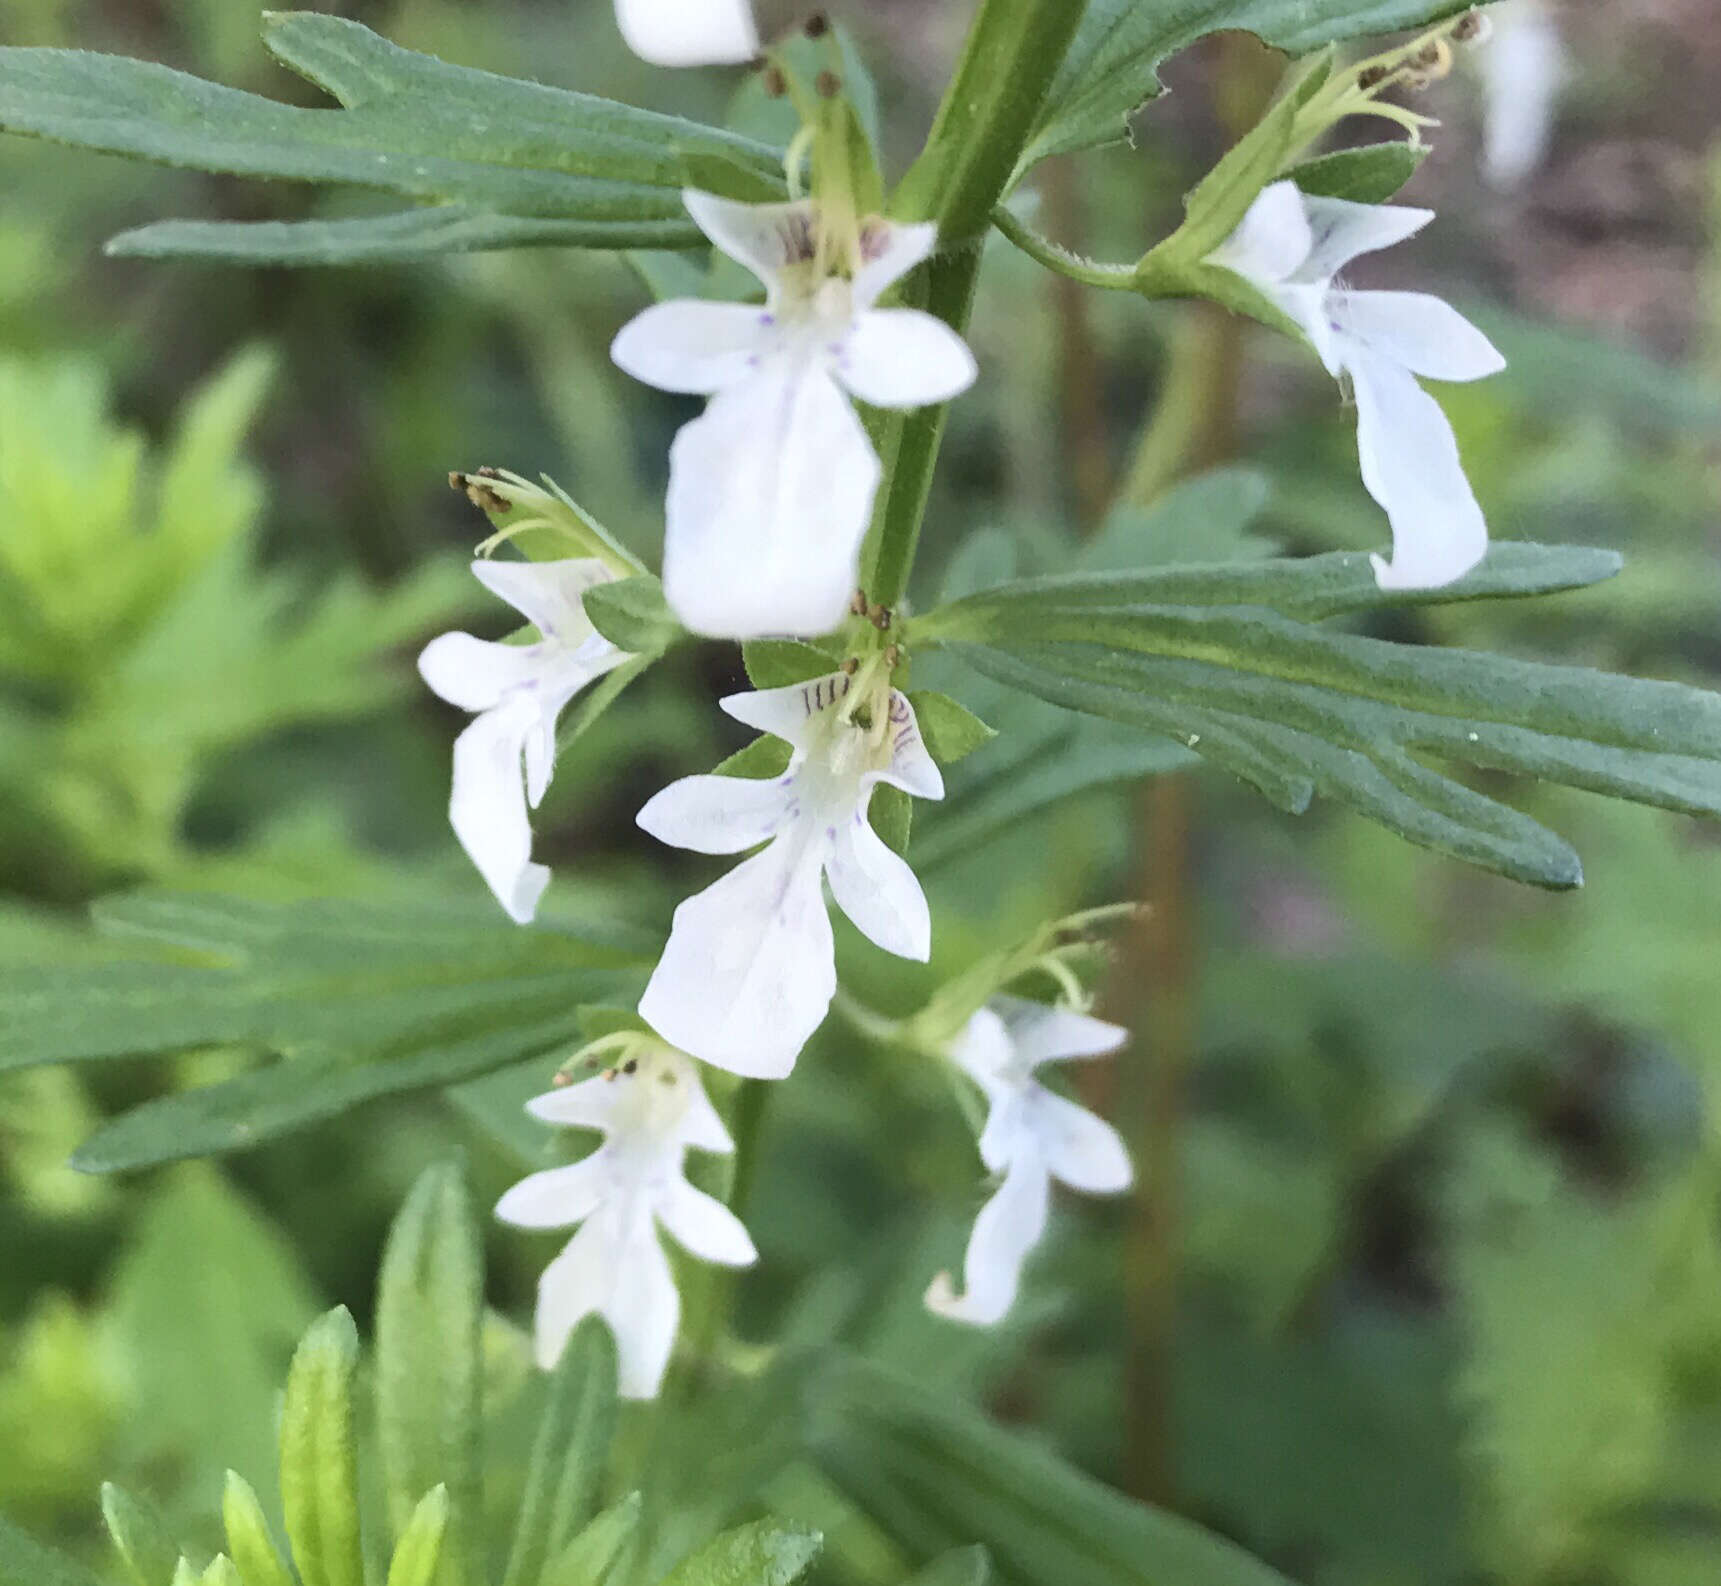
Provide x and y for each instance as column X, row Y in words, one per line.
column 771, row 489
column 1291, row 248
column 650, row 1111
column 1032, row 1137
column 689, row 32
column 1523, row 67
column 749, row 970
column 518, row 691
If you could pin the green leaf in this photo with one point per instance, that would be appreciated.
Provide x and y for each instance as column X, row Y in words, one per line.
column 587, row 1559
column 762, row 1554
column 25, row 1562
column 248, row 1539
column 1297, row 709
column 221, row 1572
column 1372, row 174
column 963, row 1566
column 891, row 813
column 359, row 1001
column 950, row 729
column 138, row 1536
column 1203, row 520
column 778, row 663
column 399, row 237
column 1111, row 69
column 932, row 1474
column 412, row 125
column 419, row 1550
column 632, row 614
column 429, row 1367
column 568, row 1452
column 765, row 757
column 319, row 1455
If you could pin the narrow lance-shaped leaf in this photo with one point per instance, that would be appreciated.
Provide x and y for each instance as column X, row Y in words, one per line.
column 568, row 1453
column 588, row 1559
column 139, row 1537
column 248, row 1539
column 430, row 1312
column 319, row 1455
column 420, row 1548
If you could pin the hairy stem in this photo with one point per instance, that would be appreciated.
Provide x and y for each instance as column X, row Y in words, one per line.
column 1012, row 53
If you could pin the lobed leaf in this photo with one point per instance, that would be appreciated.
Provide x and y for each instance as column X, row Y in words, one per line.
column 411, row 124
column 358, row 1001
column 1297, row 709
column 1112, row 67
column 429, row 1368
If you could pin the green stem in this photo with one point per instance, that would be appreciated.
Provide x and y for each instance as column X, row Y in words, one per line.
column 988, row 114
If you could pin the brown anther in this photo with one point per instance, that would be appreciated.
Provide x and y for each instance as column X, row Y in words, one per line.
column 857, row 603
column 560, row 1078
column 1471, row 28
column 610, row 1074
column 879, row 617
column 828, row 84
column 850, row 666
column 477, row 492
column 1429, row 56
column 892, row 655
column 488, row 472
column 817, row 25
column 775, row 83
column 631, row 1066
column 1372, row 77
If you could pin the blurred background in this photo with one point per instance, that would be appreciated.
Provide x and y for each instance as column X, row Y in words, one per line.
column 1423, row 1281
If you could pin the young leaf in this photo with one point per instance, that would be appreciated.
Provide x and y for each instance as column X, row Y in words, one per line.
column 632, row 615
column 587, row 1559
column 420, row 1548
column 221, row 1572
column 761, row 1554
column 319, row 1455
column 932, row 1474
column 950, row 729
column 568, row 1453
column 430, row 1314
column 248, row 1539
column 1372, row 174
column 763, row 758
column 892, row 816
column 139, row 1536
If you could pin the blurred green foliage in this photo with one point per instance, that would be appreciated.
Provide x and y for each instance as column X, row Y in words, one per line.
column 1448, row 1304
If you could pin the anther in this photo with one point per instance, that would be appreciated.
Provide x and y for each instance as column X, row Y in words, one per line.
column 631, row 1066
column 879, row 617
column 775, row 84
column 857, row 603
column 828, row 84
column 850, row 666
column 892, row 656
column 1372, row 77
column 1471, row 28
column 477, row 492
column 817, row 25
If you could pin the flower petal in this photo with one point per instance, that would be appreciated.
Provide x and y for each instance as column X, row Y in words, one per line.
column 488, row 807
column 1083, row 1151
column 984, row 1050
column 763, row 238
column 591, row 1104
column 1271, row 240
column 1523, row 71
column 704, row 1226
column 889, row 250
column 690, row 346
column 770, row 493
column 701, row 1128
column 1427, row 336
column 784, row 712
column 717, row 814
column 1008, row 1227
column 689, row 32
column 912, row 767
column 1040, row 1033
column 1410, row 465
column 878, row 890
column 1342, row 231
column 902, row 358
column 475, row 674
column 749, row 970
column 559, row 1197
column 617, row 1270
column 547, row 594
